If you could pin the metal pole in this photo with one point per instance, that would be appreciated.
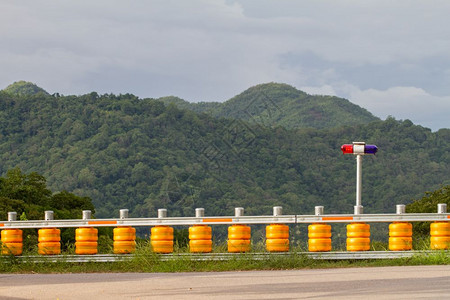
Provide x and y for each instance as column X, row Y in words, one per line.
column 238, row 211
column 87, row 214
column 48, row 215
column 12, row 216
column 358, row 206
column 199, row 212
column 400, row 209
column 442, row 208
column 162, row 213
column 123, row 213
column 277, row 211
column 318, row 210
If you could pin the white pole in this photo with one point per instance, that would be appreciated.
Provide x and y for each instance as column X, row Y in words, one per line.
column 358, row 207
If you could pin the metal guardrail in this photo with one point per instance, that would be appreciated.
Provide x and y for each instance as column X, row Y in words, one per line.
column 171, row 221
column 361, row 255
column 373, row 218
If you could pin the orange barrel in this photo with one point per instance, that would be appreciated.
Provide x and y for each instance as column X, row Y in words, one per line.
column 440, row 235
column 319, row 237
column 86, row 240
column 162, row 239
column 239, row 238
column 200, row 239
column 358, row 237
column 124, row 240
column 12, row 242
column 49, row 241
column 400, row 236
column 400, row 229
column 277, row 238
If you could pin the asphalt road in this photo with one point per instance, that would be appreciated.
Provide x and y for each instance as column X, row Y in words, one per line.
column 417, row 282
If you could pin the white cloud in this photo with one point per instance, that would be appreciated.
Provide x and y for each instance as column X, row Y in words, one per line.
column 407, row 103
column 400, row 102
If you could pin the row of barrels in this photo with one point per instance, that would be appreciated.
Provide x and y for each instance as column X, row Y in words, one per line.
column 239, row 238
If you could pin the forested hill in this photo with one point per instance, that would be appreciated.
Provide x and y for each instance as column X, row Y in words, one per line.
column 125, row 152
column 24, row 88
column 275, row 104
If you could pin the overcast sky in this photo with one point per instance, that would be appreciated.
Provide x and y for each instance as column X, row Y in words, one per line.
column 390, row 57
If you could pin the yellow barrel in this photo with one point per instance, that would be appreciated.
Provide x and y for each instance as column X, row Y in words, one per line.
column 319, row 237
column 239, row 238
column 440, row 242
column 12, row 242
column 86, row 248
column 277, row 231
column 400, row 229
column 200, row 232
column 200, row 246
column 86, row 241
column 11, row 236
column 124, row 240
column 124, row 233
column 440, row 235
column 358, row 230
column 319, row 231
column 319, row 245
column 358, row 244
column 124, row 247
column 239, row 232
column 277, row 245
column 358, row 237
column 277, row 238
column 440, row 229
column 200, row 239
column 400, row 243
column 237, row 246
column 400, row 236
column 162, row 239
column 49, row 241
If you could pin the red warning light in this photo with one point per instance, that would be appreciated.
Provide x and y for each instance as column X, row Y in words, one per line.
column 347, row 149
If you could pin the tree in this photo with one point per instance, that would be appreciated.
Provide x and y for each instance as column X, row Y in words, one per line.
column 28, row 195
column 30, row 188
column 428, row 204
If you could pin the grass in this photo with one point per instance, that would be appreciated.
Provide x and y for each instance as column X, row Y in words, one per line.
column 145, row 260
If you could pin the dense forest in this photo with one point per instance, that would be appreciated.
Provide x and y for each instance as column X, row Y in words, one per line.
column 144, row 154
column 275, row 104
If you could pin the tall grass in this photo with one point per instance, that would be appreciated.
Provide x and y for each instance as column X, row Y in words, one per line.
column 144, row 260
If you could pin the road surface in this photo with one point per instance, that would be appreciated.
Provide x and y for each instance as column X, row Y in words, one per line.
column 414, row 282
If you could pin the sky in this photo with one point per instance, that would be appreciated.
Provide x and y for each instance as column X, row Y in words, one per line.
column 390, row 57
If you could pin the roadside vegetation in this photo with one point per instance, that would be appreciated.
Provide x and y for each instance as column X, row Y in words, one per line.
column 144, row 260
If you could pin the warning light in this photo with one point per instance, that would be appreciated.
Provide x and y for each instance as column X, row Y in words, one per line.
column 359, row 148
column 347, row 149
column 370, row 149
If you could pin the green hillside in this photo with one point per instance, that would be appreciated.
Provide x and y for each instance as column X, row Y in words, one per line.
column 211, row 108
column 275, row 104
column 125, row 152
column 24, row 88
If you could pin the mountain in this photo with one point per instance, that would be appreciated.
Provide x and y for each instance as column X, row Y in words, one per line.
column 275, row 104
column 140, row 154
column 24, row 88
